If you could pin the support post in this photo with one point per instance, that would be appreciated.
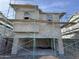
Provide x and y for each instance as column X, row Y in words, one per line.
column 34, row 47
column 1, row 44
column 54, row 45
column 60, row 47
column 15, row 45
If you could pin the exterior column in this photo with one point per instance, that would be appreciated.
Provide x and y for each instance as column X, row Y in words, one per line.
column 60, row 47
column 2, row 44
column 15, row 45
column 60, row 43
column 34, row 47
column 55, row 46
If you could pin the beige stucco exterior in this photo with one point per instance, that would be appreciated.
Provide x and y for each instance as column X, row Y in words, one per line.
column 37, row 23
column 37, row 26
column 42, row 29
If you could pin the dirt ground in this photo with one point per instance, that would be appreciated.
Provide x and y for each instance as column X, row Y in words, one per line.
column 48, row 57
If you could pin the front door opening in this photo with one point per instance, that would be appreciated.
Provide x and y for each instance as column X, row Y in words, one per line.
column 43, row 43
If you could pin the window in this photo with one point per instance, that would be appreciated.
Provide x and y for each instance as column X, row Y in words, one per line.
column 26, row 15
column 49, row 17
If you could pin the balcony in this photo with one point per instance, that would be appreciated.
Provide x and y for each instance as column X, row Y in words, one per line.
column 71, row 29
column 26, row 27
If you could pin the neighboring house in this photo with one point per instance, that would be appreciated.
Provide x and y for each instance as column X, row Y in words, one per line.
column 71, row 31
column 70, row 36
column 6, row 31
column 42, row 31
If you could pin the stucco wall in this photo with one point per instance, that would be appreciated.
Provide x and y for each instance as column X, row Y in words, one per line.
column 34, row 14
column 41, row 29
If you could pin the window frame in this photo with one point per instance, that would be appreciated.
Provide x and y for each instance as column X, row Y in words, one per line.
column 27, row 15
column 49, row 17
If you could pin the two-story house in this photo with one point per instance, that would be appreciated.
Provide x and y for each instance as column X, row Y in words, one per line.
column 36, row 31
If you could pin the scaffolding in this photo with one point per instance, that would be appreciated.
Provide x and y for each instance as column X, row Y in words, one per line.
column 68, row 47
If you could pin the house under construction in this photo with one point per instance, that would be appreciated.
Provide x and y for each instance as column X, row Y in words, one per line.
column 34, row 32
column 36, row 27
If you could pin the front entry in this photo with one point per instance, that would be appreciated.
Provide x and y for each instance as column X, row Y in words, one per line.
column 39, row 47
column 43, row 43
column 40, row 43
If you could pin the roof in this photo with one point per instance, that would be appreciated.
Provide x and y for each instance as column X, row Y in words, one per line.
column 4, row 19
column 34, row 6
column 2, row 16
column 72, row 20
column 59, row 13
column 68, row 23
column 23, row 6
column 75, row 16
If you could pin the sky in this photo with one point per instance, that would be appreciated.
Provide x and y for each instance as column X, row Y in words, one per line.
column 68, row 6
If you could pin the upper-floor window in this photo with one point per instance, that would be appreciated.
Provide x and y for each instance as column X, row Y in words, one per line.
column 49, row 17
column 26, row 15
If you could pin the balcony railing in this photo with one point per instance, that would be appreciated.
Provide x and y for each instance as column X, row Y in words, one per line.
column 71, row 29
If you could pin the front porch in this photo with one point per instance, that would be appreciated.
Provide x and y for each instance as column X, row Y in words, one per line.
column 36, row 52
column 42, row 46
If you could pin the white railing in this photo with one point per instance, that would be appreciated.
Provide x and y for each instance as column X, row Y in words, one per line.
column 71, row 28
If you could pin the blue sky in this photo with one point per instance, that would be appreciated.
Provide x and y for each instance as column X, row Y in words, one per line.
column 68, row 6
